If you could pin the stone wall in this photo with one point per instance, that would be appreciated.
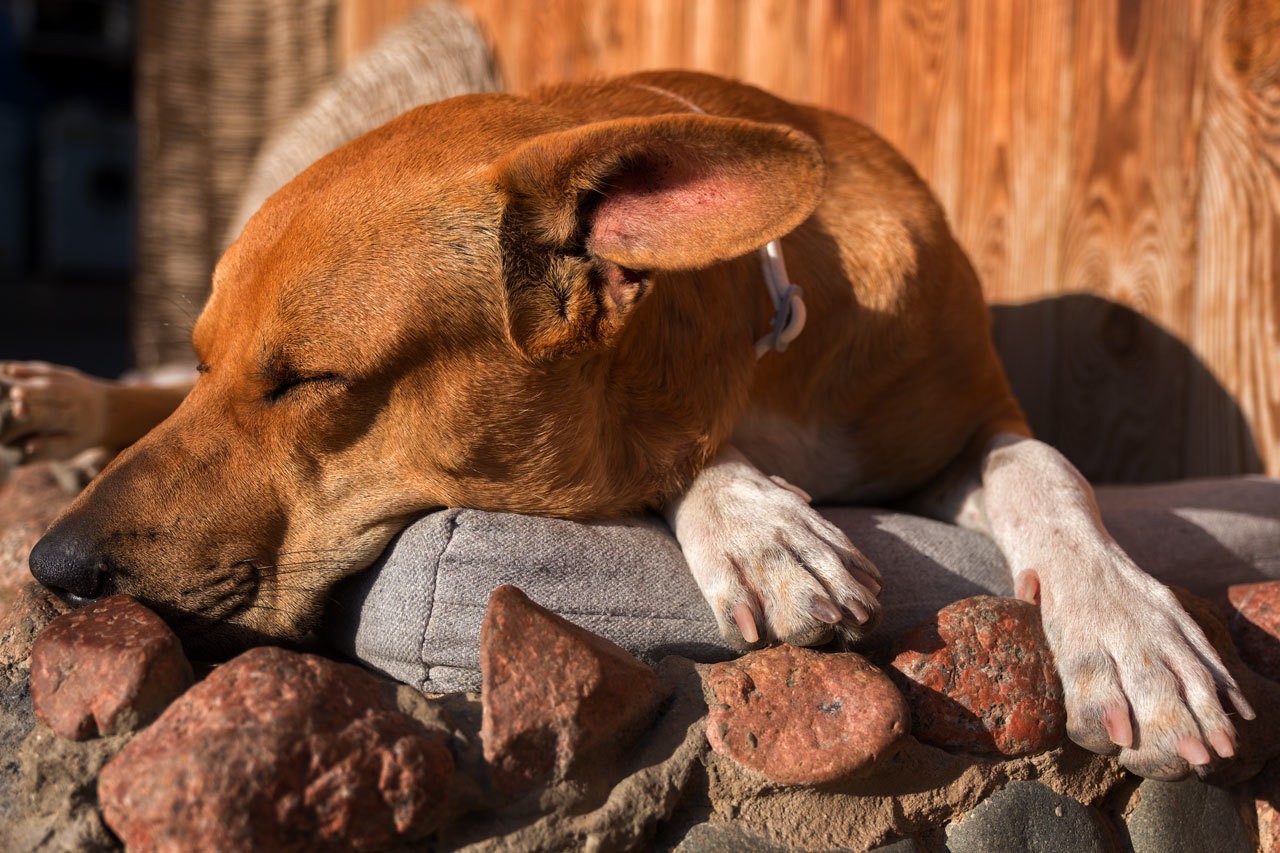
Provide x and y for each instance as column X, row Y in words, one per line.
column 953, row 740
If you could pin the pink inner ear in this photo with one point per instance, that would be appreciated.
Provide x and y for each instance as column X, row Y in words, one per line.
column 671, row 211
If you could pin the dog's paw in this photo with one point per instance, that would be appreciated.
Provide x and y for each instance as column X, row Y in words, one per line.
column 769, row 565
column 50, row 412
column 1139, row 676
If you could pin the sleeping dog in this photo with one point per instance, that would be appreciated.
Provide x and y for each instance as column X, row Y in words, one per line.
column 558, row 305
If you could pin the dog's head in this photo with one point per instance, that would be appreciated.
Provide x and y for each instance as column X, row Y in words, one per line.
column 440, row 313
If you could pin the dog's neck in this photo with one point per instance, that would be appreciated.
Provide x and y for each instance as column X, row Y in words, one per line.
column 788, row 298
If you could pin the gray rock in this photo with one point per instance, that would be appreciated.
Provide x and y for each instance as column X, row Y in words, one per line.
column 719, row 837
column 1027, row 817
column 1185, row 817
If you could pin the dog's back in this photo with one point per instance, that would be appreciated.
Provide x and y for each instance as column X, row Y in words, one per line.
column 895, row 373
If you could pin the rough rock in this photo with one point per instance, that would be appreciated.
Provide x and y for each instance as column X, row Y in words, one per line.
column 723, row 837
column 1185, row 817
column 29, row 502
column 980, row 679
column 1255, row 625
column 919, row 788
column 801, row 717
column 554, row 692
column 615, row 801
column 281, row 751
column 107, row 668
column 33, row 608
column 1027, row 817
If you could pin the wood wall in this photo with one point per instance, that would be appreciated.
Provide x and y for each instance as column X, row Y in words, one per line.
column 1112, row 167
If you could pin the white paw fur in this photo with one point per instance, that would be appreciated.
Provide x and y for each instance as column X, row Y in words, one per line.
column 769, row 565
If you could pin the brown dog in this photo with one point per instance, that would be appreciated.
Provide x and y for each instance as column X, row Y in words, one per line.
column 549, row 305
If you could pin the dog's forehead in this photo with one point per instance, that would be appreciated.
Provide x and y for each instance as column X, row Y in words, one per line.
column 399, row 226
column 427, row 273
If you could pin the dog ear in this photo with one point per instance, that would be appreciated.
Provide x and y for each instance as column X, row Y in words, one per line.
column 590, row 213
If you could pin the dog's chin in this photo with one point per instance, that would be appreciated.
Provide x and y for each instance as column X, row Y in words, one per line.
column 209, row 639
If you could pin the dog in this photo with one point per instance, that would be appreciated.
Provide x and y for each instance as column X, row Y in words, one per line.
column 553, row 305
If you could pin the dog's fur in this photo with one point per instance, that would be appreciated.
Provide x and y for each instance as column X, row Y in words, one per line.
column 548, row 305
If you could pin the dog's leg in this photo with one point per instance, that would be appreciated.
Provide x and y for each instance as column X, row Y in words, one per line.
column 769, row 565
column 1138, row 674
column 52, row 412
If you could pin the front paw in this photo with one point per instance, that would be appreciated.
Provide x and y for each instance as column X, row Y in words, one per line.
column 772, row 568
column 1139, row 676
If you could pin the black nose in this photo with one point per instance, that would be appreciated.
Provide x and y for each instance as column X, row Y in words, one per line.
column 64, row 564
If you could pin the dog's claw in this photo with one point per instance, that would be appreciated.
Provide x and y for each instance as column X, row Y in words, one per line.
column 1222, row 743
column 746, row 623
column 866, row 579
column 1241, row 704
column 824, row 611
column 1193, row 751
column 1119, row 728
column 856, row 609
column 1028, row 587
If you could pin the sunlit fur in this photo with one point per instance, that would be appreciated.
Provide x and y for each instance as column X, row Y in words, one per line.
column 545, row 305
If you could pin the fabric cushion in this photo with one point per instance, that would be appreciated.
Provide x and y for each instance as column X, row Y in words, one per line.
column 416, row 614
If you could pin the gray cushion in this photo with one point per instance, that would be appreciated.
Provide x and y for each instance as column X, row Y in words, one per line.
column 416, row 614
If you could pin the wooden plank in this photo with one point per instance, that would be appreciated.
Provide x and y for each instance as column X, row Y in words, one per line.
column 1068, row 143
column 1129, row 238
column 1236, row 306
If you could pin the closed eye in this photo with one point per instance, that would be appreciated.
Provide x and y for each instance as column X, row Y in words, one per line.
column 287, row 385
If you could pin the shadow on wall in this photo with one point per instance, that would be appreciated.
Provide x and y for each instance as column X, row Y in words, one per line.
column 1125, row 400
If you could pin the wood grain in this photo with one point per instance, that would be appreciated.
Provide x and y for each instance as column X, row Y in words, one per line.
column 1111, row 166
column 1235, row 312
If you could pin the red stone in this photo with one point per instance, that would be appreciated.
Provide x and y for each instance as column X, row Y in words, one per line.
column 1268, row 827
column 29, row 502
column 1255, row 625
column 108, row 668
column 980, row 679
column 33, row 607
column 279, row 751
column 552, row 691
column 801, row 717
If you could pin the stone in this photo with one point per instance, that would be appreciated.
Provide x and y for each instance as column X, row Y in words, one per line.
column 803, row 717
column 278, row 750
column 553, row 692
column 722, row 837
column 1027, row 817
column 620, row 801
column 1185, row 817
column 980, row 679
column 107, row 668
column 33, row 608
column 29, row 503
column 1255, row 625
